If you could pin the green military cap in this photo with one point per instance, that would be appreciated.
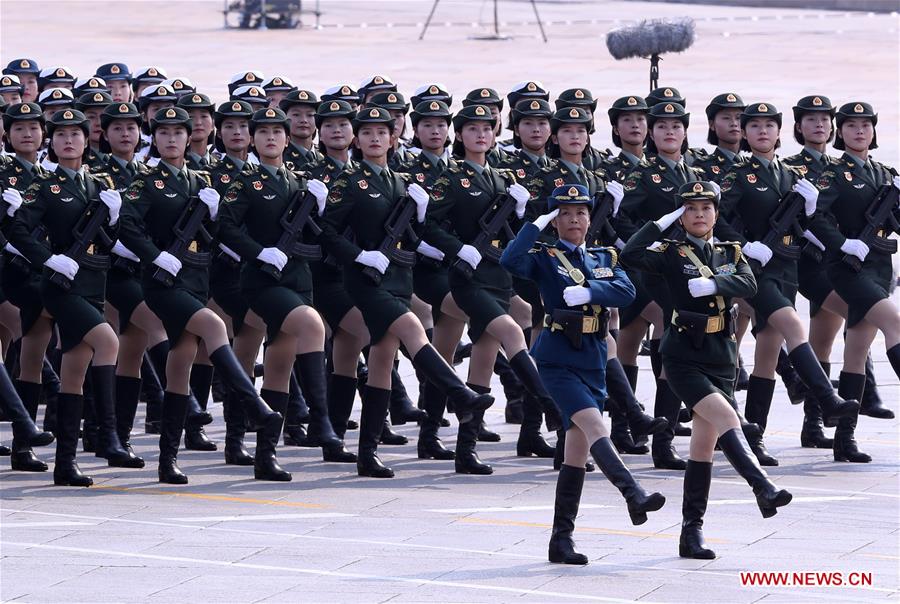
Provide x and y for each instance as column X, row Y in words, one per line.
column 531, row 108
column 375, row 83
column 245, row 78
column 92, row 84
column 431, row 92
column 699, row 190
column 760, row 110
column 483, row 96
column 93, row 99
column 473, row 113
column 856, row 109
column 196, row 101
column 171, row 116
column 241, row 109
column 392, row 101
column 21, row 112
column 430, row 109
column 269, row 115
column 156, row 94
column 341, row 92
column 299, row 97
column 624, row 104
column 181, row 86
column 666, row 111
column 119, row 111
column 576, row 97
column 17, row 66
column 148, row 75
column 372, row 115
column 812, row 103
column 56, row 97
column 114, row 71
column 665, row 94
column 334, row 109
column 68, row 117
column 572, row 194
column 55, row 75
column 726, row 100
column 278, row 84
column 11, row 83
column 570, row 115
column 254, row 95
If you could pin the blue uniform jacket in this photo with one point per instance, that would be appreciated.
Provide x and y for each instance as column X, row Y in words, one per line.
column 523, row 259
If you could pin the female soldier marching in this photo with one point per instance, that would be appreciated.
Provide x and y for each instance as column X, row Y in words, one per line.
column 571, row 352
column 698, row 349
column 176, row 288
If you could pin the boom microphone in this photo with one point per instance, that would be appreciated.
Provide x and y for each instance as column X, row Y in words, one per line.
column 651, row 38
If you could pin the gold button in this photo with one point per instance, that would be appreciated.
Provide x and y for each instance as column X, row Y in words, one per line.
column 712, row 304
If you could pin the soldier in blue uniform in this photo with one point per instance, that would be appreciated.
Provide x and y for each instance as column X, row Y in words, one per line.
column 698, row 348
column 571, row 352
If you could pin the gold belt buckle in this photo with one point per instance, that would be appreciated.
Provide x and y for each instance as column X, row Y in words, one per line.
column 787, row 239
column 399, row 245
column 882, row 233
column 715, row 324
column 90, row 250
column 496, row 243
column 590, row 325
column 193, row 246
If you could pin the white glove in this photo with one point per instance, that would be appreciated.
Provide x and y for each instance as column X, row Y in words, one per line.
column 420, row 196
column 273, row 256
column 320, row 191
column 716, row 188
column 618, row 194
column 230, row 252
column 375, row 259
column 576, row 295
column 810, row 194
column 758, row 251
column 12, row 250
column 168, row 263
column 541, row 222
column 429, row 251
column 897, row 181
column 813, row 240
column 857, row 248
column 62, row 264
column 211, row 198
column 669, row 219
column 120, row 250
column 14, row 199
column 521, row 195
column 112, row 200
column 702, row 286
column 469, row 255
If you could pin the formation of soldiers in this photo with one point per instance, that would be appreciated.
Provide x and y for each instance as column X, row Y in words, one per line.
column 155, row 242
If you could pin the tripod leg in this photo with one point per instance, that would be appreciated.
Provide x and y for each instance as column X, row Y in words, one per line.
column 538, row 17
column 428, row 20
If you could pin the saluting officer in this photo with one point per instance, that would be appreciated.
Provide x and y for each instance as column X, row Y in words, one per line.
column 578, row 285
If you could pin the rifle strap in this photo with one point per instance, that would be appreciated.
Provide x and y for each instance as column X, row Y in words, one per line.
column 575, row 274
column 704, row 270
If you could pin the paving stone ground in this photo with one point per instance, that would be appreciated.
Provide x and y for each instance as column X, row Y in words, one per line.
column 429, row 534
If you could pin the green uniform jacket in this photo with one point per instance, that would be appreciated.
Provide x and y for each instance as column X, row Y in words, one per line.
column 733, row 278
column 619, row 166
column 301, row 158
column 716, row 164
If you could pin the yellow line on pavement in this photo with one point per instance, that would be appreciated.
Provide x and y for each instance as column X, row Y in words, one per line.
column 201, row 496
column 586, row 529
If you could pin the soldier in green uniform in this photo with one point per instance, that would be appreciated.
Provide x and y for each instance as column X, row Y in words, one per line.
column 73, row 289
column 139, row 329
column 176, row 288
column 362, row 200
column 592, row 158
column 628, row 118
column 300, row 107
column 150, row 101
column 27, row 71
column 281, row 299
column 20, row 281
column 848, row 187
column 648, row 195
column 92, row 104
column 724, row 115
column 699, row 349
column 232, row 123
column 751, row 192
column 201, row 110
column 397, row 106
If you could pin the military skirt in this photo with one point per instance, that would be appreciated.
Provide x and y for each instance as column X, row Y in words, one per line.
column 776, row 288
column 77, row 310
column 431, row 283
column 331, row 298
column 863, row 290
column 273, row 300
column 573, row 389
column 225, row 289
column 814, row 283
column 176, row 305
column 22, row 287
column 642, row 298
column 382, row 304
column 124, row 291
column 529, row 291
column 692, row 381
column 484, row 297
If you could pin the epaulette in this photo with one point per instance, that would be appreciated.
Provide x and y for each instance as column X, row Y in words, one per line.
column 798, row 170
column 454, row 168
column 45, row 175
column 698, row 171
column 737, row 249
column 404, row 176
column 105, row 178
column 612, row 251
column 645, row 162
column 249, row 169
column 699, row 153
column 743, row 162
column 658, row 246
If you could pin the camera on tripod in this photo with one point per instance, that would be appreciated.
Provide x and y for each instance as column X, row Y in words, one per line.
column 264, row 14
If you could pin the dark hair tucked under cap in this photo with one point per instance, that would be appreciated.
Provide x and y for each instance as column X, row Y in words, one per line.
column 171, row 116
column 331, row 109
column 68, row 117
column 483, row 96
column 531, row 108
column 855, row 109
column 726, row 100
column 93, row 99
column 21, row 112
column 392, row 101
column 623, row 105
column 119, row 111
column 570, row 115
column 473, row 113
column 196, row 101
column 811, row 104
column 665, row 94
column 759, row 110
column 372, row 115
column 236, row 109
column 299, row 97
column 430, row 109
column 663, row 111
column 576, row 97
column 269, row 116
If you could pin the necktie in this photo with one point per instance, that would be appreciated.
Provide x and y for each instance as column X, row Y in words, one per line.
column 776, row 176
column 129, row 167
column 441, row 165
column 388, row 180
column 869, row 172
column 79, row 182
column 679, row 169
